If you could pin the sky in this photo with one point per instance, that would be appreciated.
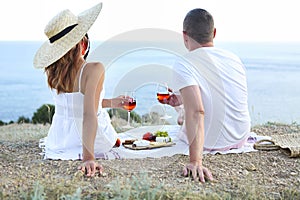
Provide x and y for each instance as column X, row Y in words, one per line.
column 235, row 20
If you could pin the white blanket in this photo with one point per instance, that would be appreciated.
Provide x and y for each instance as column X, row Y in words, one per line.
column 179, row 148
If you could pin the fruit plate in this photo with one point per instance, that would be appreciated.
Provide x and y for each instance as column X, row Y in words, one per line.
column 152, row 145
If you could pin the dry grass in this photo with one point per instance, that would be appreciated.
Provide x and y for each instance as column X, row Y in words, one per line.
column 256, row 175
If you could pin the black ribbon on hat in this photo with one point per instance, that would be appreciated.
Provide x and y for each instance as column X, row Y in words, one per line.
column 88, row 50
column 61, row 33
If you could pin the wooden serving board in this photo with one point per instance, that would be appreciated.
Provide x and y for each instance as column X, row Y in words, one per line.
column 152, row 145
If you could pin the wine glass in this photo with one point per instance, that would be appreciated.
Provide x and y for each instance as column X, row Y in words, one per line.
column 129, row 104
column 162, row 93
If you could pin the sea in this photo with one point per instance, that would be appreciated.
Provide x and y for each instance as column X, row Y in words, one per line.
column 273, row 78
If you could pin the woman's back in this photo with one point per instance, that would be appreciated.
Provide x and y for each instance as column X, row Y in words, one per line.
column 64, row 140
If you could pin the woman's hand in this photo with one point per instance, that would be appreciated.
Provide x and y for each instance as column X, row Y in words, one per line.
column 90, row 167
column 117, row 102
column 198, row 172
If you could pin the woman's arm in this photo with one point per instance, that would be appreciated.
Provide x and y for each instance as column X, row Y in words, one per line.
column 92, row 82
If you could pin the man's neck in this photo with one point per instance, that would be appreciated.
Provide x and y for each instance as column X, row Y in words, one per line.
column 196, row 45
column 208, row 44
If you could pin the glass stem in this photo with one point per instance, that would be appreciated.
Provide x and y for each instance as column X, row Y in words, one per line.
column 128, row 119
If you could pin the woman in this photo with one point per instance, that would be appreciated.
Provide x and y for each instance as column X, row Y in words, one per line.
column 77, row 131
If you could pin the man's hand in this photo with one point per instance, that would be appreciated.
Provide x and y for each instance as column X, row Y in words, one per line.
column 198, row 172
column 174, row 100
column 90, row 167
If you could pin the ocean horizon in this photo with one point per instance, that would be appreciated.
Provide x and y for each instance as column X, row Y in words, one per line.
column 273, row 71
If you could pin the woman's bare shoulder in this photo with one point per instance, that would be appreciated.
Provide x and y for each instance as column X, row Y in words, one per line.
column 93, row 75
column 94, row 69
column 94, row 66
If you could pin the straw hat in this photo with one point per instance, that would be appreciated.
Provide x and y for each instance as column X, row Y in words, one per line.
column 64, row 31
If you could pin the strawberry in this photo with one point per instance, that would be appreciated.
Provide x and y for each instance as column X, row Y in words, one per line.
column 118, row 143
column 149, row 136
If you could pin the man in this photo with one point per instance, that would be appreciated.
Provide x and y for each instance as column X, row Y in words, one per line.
column 213, row 91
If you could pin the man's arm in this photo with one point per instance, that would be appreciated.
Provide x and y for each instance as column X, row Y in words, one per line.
column 194, row 116
column 194, row 121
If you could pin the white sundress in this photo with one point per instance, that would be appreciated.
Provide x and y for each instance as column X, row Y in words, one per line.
column 64, row 139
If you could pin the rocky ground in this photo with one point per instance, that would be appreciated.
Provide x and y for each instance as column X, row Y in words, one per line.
column 257, row 175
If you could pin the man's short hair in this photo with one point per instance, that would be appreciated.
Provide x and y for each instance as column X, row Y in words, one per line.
column 199, row 25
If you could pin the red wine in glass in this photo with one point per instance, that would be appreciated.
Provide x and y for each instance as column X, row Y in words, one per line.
column 162, row 93
column 129, row 105
column 162, row 96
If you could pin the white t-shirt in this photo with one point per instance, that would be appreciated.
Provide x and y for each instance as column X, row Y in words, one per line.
column 222, row 80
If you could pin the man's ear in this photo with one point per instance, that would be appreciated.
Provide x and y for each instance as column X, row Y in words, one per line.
column 215, row 31
column 185, row 36
column 185, row 39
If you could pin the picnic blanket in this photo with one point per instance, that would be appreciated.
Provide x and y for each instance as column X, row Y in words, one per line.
column 180, row 147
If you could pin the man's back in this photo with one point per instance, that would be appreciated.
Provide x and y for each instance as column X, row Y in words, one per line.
column 222, row 80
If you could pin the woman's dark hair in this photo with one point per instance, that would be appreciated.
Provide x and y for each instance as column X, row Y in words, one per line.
column 62, row 74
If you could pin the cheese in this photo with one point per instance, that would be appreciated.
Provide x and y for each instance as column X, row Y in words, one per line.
column 163, row 139
column 141, row 143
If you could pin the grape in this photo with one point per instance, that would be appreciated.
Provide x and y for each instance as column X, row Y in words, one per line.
column 161, row 134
